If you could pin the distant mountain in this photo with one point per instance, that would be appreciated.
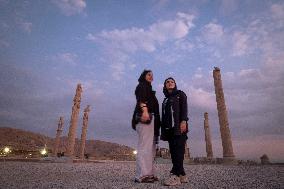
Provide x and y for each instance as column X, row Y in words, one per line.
column 25, row 141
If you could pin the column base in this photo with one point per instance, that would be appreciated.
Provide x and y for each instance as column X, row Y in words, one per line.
column 229, row 161
column 189, row 161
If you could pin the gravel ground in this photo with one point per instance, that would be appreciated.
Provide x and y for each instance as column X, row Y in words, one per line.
column 120, row 175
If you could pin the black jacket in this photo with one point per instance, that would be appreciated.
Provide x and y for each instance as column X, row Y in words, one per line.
column 145, row 94
column 174, row 111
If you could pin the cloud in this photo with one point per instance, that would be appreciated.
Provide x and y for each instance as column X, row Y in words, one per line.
column 202, row 98
column 4, row 25
column 69, row 58
column 16, row 18
column 26, row 26
column 254, row 98
column 213, row 32
column 4, row 43
column 91, row 37
column 278, row 13
column 159, row 4
column 240, row 44
column 261, row 34
column 118, row 62
column 198, row 74
column 250, row 73
column 118, row 69
column 70, row 7
column 33, row 102
column 213, row 41
column 19, row 106
column 184, row 45
column 121, row 45
column 199, row 89
column 168, row 55
column 134, row 39
column 257, row 34
column 278, row 10
column 129, row 40
column 228, row 7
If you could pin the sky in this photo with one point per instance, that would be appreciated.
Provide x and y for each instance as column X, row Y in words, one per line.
column 48, row 47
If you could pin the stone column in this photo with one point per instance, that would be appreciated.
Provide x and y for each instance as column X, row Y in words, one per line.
column 84, row 131
column 74, row 122
column 58, row 135
column 209, row 150
column 223, row 118
column 186, row 152
column 264, row 159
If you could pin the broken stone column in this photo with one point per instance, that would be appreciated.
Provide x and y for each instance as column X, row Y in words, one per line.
column 58, row 135
column 264, row 159
column 228, row 153
column 186, row 152
column 74, row 122
column 209, row 150
column 84, row 131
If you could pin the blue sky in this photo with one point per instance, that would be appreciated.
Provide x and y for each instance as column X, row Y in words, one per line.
column 47, row 47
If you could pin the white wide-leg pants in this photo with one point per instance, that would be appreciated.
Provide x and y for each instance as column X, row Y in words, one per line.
column 145, row 150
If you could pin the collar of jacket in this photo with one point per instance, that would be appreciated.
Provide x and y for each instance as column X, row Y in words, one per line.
column 173, row 93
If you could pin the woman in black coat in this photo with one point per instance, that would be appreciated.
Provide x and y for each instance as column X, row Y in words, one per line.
column 174, row 129
column 146, row 121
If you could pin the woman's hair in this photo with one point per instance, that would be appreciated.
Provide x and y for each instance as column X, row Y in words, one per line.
column 165, row 91
column 143, row 75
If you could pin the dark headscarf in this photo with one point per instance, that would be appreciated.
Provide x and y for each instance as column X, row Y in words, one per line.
column 142, row 77
column 165, row 91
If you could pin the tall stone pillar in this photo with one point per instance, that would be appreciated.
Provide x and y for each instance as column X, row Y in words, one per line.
column 74, row 121
column 223, row 118
column 209, row 150
column 58, row 135
column 84, row 131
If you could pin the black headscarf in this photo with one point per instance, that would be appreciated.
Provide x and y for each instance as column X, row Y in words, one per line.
column 142, row 77
column 165, row 91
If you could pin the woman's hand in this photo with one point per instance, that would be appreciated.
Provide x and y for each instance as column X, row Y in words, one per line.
column 183, row 126
column 145, row 116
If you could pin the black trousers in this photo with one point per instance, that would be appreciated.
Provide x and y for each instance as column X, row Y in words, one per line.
column 177, row 150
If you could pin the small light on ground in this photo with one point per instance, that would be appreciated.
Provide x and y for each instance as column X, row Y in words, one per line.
column 6, row 150
column 135, row 152
column 43, row 152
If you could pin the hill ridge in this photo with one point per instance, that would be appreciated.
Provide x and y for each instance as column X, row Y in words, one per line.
column 19, row 139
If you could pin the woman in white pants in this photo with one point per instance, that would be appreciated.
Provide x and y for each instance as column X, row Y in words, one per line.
column 146, row 121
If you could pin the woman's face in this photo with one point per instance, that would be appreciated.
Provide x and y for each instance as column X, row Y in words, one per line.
column 170, row 84
column 149, row 77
